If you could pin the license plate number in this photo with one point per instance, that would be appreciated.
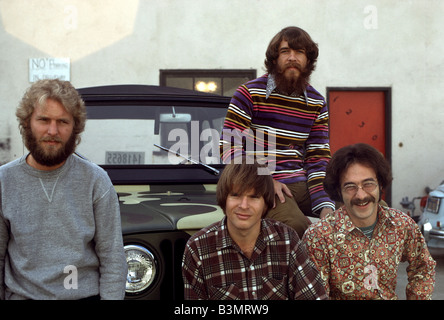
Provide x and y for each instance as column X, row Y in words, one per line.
column 123, row 157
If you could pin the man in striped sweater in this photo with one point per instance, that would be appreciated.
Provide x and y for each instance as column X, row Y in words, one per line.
column 281, row 120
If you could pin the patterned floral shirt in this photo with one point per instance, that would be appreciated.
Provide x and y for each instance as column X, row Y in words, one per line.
column 215, row 268
column 355, row 267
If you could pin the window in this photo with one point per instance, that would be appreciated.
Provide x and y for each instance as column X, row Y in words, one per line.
column 222, row 82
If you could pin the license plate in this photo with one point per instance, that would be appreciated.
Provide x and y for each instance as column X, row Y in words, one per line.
column 124, row 157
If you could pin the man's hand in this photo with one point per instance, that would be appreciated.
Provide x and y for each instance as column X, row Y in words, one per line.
column 325, row 211
column 280, row 189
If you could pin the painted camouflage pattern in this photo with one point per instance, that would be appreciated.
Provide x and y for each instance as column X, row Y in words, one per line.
column 154, row 208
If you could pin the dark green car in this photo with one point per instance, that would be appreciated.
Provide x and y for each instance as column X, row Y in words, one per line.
column 159, row 146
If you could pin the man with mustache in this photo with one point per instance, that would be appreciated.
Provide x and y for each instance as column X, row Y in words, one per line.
column 60, row 232
column 281, row 120
column 358, row 248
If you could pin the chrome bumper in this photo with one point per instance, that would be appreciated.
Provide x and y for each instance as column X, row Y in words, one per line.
column 432, row 233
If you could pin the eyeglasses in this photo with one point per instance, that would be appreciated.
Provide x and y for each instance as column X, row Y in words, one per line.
column 352, row 189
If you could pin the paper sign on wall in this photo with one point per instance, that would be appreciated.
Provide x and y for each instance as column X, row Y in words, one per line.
column 49, row 68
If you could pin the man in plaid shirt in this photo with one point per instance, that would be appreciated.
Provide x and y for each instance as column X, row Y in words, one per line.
column 245, row 256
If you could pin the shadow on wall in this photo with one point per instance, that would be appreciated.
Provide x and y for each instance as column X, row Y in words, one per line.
column 5, row 148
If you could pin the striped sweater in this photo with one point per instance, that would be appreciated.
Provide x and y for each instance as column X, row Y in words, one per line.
column 289, row 133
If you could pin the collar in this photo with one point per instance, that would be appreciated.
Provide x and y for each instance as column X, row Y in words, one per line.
column 45, row 173
column 271, row 86
column 345, row 225
column 223, row 238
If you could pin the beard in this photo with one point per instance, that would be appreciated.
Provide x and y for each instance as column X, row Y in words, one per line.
column 53, row 155
column 290, row 84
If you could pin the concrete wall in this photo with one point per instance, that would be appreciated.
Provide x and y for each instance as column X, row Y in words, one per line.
column 363, row 43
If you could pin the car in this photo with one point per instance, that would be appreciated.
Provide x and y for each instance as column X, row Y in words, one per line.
column 432, row 219
column 159, row 146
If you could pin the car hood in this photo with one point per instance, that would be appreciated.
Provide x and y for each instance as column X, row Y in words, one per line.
column 146, row 208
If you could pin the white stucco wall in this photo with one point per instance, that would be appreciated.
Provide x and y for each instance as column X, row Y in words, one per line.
column 363, row 43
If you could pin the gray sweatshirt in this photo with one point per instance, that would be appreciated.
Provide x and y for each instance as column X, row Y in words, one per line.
column 60, row 232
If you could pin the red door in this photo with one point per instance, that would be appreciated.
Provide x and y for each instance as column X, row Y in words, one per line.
column 359, row 115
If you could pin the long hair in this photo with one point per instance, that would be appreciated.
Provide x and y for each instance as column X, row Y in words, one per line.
column 60, row 91
column 244, row 177
column 297, row 38
column 357, row 153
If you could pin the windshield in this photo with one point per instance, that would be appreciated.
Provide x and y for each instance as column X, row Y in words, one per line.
column 130, row 138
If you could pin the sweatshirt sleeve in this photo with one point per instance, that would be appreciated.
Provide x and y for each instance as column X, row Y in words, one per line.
column 4, row 237
column 109, row 246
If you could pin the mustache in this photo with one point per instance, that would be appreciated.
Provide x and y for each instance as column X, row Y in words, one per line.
column 360, row 201
column 293, row 65
column 51, row 139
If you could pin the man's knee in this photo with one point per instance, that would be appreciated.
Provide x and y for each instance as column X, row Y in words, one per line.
column 290, row 214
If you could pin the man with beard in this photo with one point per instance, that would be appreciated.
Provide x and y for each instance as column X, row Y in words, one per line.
column 358, row 248
column 280, row 119
column 60, row 229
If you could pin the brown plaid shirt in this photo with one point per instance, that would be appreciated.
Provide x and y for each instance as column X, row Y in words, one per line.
column 215, row 268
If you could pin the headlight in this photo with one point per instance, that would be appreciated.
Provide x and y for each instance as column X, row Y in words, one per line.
column 141, row 268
